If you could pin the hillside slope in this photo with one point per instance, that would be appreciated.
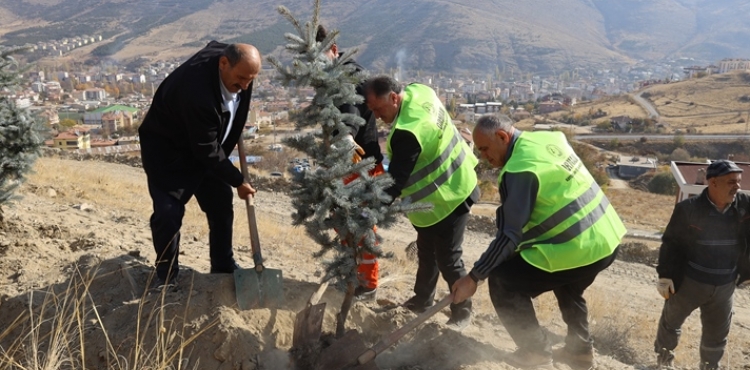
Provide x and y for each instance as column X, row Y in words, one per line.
column 87, row 222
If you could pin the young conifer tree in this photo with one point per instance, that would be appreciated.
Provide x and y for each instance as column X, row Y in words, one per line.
column 340, row 218
column 20, row 134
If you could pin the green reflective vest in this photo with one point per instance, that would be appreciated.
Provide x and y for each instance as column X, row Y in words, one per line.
column 572, row 223
column 444, row 173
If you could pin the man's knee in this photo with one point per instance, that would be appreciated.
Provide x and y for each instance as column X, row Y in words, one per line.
column 168, row 211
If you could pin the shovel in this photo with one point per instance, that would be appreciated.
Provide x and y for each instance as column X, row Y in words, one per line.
column 308, row 324
column 259, row 286
column 351, row 353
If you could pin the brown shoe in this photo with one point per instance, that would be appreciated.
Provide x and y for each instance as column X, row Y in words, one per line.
column 665, row 359
column 577, row 361
column 524, row 359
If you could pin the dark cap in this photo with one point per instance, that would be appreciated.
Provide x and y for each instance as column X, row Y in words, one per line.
column 721, row 168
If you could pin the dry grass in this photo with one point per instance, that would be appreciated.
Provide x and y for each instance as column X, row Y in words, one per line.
column 614, row 106
column 640, row 209
column 54, row 333
column 709, row 105
column 97, row 184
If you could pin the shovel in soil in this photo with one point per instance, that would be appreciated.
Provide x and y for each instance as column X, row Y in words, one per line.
column 351, row 353
column 308, row 324
column 259, row 286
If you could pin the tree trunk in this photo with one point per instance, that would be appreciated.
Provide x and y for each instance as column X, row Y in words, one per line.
column 345, row 306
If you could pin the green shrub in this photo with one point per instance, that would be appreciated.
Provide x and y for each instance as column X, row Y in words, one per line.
column 663, row 183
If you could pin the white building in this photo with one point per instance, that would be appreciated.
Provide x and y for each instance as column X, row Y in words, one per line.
column 727, row 65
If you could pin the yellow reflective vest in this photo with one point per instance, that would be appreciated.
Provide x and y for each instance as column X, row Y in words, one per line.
column 444, row 173
column 572, row 223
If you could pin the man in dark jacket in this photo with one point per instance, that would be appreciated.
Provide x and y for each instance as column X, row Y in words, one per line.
column 703, row 251
column 365, row 140
column 195, row 120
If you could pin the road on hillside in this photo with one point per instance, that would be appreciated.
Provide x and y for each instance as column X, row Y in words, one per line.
column 663, row 137
column 645, row 104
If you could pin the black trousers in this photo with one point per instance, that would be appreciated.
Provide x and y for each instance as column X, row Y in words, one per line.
column 515, row 282
column 439, row 252
column 215, row 200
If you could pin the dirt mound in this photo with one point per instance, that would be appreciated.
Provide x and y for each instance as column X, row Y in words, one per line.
column 109, row 309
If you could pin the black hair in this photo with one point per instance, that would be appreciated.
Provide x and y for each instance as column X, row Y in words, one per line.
column 321, row 34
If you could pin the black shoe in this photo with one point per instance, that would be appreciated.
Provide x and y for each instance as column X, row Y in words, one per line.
column 362, row 293
column 460, row 319
column 417, row 305
column 226, row 270
column 169, row 284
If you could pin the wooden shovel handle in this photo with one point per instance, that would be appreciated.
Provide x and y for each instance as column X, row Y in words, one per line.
column 315, row 297
column 250, row 206
column 393, row 337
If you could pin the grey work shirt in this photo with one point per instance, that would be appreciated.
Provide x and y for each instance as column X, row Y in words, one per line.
column 518, row 195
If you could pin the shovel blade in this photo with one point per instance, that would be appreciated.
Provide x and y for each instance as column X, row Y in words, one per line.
column 343, row 354
column 308, row 325
column 258, row 289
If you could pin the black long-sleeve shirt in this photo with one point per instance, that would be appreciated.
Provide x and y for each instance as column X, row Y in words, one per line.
column 405, row 150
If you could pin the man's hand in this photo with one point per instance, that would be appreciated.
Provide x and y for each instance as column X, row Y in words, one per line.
column 245, row 190
column 665, row 287
column 463, row 289
column 358, row 151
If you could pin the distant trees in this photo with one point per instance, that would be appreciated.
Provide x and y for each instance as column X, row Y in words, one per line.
column 67, row 123
column 680, row 155
column 663, row 183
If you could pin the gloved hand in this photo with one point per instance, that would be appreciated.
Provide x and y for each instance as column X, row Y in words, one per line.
column 358, row 151
column 665, row 287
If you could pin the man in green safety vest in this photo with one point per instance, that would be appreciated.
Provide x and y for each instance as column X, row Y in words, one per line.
column 429, row 163
column 556, row 232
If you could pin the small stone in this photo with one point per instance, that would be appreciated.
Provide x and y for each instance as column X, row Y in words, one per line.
column 51, row 193
column 222, row 353
column 248, row 365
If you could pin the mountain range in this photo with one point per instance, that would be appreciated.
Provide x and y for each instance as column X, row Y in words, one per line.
column 540, row 36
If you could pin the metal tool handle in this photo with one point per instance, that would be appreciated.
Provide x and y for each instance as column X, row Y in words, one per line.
column 250, row 205
column 392, row 338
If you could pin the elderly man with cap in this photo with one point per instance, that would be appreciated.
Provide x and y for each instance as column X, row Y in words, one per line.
column 702, row 258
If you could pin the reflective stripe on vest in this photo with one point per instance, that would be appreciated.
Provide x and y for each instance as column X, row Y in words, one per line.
column 417, row 176
column 426, row 191
column 566, row 212
column 444, row 173
column 585, row 228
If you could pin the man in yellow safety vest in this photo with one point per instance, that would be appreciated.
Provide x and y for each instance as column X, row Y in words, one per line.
column 430, row 163
column 556, row 232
